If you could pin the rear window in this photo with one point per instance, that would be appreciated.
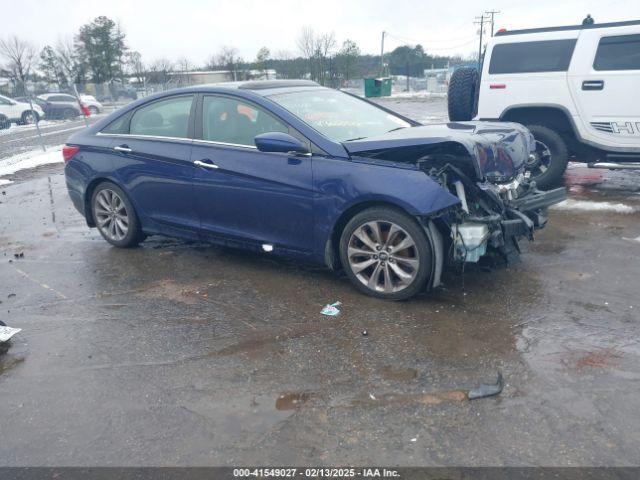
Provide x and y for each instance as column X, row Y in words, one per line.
column 531, row 57
column 621, row 52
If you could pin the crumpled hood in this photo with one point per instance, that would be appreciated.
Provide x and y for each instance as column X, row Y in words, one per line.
column 487, row 142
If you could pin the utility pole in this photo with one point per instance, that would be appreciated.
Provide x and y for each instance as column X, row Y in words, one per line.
column 382, row 55
column 492, row 13
column 481, row 20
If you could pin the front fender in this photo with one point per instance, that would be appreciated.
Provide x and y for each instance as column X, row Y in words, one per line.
column 340, row 185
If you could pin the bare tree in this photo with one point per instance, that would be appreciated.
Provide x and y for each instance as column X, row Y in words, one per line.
column 184, row 67
column 20, row 57
column 71, row 68
column 136, row 67
column 316, row 47
column 227, row 58
column 160, row 72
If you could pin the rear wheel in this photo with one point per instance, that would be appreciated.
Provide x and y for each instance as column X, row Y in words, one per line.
column 385, row 253
column 68, row 114
column 115, row 216
column 462, row 96
column 550, row 159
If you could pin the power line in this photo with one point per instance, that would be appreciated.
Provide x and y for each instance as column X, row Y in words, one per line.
column 492, row 13
column 481, row 20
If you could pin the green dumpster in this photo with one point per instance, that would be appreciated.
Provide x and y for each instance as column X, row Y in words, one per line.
column 377, row 87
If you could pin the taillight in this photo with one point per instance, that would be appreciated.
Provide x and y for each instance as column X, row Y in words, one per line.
column 68, row 151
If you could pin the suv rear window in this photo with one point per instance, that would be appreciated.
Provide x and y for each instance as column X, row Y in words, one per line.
column 621, row 52
column 530, row 57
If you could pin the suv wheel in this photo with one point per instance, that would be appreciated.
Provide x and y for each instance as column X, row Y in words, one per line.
column 4, row 122
column 385, row 253
column 115, row 216
column 462, row 96
column 551, row 157
column 29, row 117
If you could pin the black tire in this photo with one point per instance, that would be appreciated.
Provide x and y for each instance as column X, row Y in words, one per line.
column 4, row 122
column 68, row 114
column 421, row 250
column 134, row 233
column 556, row 163
column 462, row 96
column 29, row 117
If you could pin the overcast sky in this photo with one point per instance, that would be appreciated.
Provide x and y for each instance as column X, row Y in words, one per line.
column 198, row 28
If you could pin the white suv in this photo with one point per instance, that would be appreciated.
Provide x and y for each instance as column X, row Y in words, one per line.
column 576, row 88
column 18, row 112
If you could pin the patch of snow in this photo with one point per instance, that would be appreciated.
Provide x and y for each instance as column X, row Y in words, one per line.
column 418, row 94
column 590, row 206
column 31, row 159
column 4, row 181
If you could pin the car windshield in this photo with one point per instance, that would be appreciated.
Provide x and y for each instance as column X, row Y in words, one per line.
column 338, row 116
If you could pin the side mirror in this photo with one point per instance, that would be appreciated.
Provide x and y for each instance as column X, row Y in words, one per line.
column 278, row 142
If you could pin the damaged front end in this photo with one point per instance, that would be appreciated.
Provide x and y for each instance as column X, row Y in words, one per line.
column 483, row 165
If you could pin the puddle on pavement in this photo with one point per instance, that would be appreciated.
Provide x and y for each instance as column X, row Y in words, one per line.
column 389, row 372
column 293, row 400
column 8, row 362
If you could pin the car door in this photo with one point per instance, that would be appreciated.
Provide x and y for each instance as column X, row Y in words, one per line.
column 242, row 193
column 605, row 80
column 152, row 149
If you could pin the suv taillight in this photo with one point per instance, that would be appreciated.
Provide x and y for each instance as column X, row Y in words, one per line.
column 68, row 151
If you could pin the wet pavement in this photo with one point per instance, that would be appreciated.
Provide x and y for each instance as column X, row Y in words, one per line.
column 188, row 354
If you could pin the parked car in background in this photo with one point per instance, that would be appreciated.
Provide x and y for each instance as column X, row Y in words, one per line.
column 60, row 106
column 21, row 113
column 574, row 87
column 293, row 168
column 94, row 106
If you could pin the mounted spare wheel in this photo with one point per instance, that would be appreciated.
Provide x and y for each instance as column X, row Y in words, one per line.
column 463, row 94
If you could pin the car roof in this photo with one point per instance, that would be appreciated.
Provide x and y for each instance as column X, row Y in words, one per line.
column 502, row 33
column 260, row 87
column 47, row 95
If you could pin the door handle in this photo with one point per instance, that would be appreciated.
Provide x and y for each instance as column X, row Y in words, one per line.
column 206, row 164
column 123, row 149
column 593, row 85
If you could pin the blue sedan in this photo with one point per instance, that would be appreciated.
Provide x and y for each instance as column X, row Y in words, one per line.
column 295, row 169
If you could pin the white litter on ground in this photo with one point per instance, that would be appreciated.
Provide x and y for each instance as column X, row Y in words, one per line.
column 31, row 159
column 589, row 206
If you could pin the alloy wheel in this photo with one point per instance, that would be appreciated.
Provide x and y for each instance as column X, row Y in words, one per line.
column 542, row 159
column 383, row 256
column 29, row 118
column 111, row 215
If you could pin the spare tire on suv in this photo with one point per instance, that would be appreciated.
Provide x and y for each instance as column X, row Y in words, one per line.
column 463, row 94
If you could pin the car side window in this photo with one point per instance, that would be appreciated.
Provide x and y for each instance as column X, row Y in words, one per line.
column 532, row 57
column 620, row 52
column 228, row 120
column 164, row 118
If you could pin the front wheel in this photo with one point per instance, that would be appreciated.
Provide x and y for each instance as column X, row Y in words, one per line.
column 385, row 254
column 115, row 216
column 550, row 159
